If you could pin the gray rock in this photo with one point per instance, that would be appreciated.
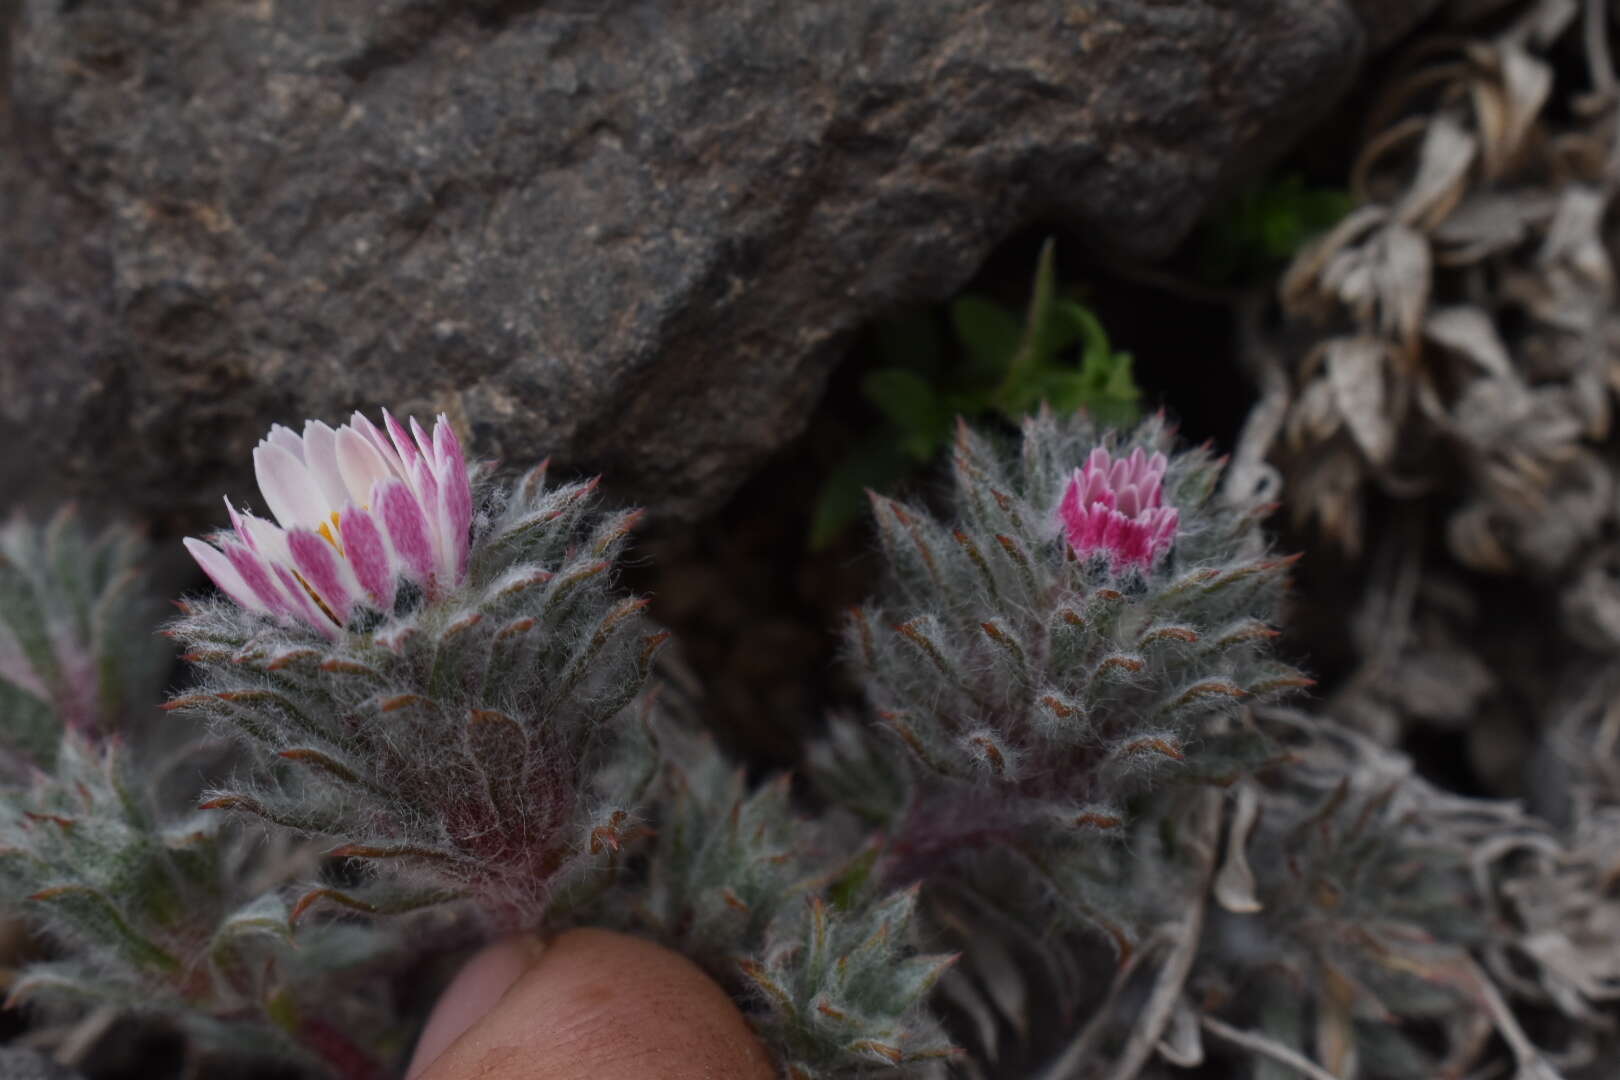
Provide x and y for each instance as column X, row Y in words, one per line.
column 632, row 235
column 17, row 1064
column 1387, row 21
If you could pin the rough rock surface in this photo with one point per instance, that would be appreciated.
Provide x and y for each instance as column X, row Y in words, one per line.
column 630, row 234
column 19, row 1064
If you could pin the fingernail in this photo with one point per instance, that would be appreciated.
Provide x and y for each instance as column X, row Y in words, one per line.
column 472, row 994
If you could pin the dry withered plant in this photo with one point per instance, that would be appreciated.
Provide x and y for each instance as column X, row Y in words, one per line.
column 1460, row 321
column 1438, row 395
column 1436, row 402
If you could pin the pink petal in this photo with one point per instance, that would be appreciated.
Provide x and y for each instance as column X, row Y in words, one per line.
column 1155, row 477
column 407, row 529
column 320, row 455
column 407, row 451
column 1114, row 526
column 1135, row 464
column 286, row 485
column 1132, row 546
column 263, row 538
column 237, row 523
column 367, row 552
column 424, row 483
column 1097, row 462
column 302, row 606
column 447, row 445
column 422, row 440
column 361, row 464
column 323, row 571
column 1097, row 488
column 256, row 577
column 1129, row 501
column 224, row 575
column 455, row 494
column 1095, row 534
column 425, row 490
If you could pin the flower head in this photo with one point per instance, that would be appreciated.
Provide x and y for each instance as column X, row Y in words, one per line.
column 357, row 511
column 1116, row 506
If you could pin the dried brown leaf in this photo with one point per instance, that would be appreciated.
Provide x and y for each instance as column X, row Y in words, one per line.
column 1331, row 490
column 1575, row 238
column 1403, row 276
column 1183, row 1043
column 1472, row 540
column 1507, row 101
column 1489, row 223
column 1302, row 289
column 1235, row 884
column 1469, row 332
column 1442, row 174
column 1355, row 369
column 1314, row 417
column 1546, row 21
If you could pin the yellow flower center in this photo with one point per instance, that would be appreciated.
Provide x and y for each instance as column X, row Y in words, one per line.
column 331, row 532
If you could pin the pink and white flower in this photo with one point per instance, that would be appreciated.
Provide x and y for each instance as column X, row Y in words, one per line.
column 357, row 510
column 1117, row 506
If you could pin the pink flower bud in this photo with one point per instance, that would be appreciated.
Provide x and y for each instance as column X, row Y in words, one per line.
column 1116, row 506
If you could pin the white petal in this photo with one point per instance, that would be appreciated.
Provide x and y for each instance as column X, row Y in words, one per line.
column 287, row 439
column 266, row 539
column 320, row 456
column 287, row 487
column 358, row 422
column 219, row 568
column 361, row 464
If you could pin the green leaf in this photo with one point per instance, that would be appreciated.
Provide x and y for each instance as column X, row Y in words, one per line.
column 264, row 915
column 1066, row 391
column 1040, row 342
column 27, row 724
column 911, row 340
column 967, row 403
column 851, row 882
column 909, row 402
column 1103, row 385
column 1061, row 331
column 877, row 463
column 989, row 333
column 1086, row 328
column 1265, row 225
column 99, row 920
column 23, row 610
column 261, row 922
